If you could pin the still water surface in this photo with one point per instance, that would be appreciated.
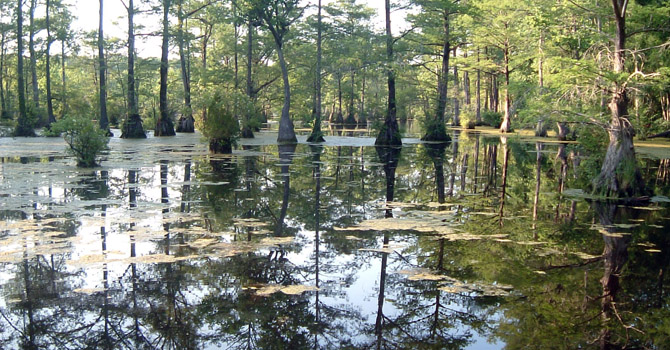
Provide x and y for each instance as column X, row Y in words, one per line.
column 485, row 243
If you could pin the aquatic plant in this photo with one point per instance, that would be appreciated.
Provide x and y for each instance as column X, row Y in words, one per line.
column 85, row 139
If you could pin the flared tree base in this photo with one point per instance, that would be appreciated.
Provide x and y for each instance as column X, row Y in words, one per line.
column 389, row 135
column 164, row 127
column 24, row 131
column 247, row 133
column 132, row 128
column 620, row 175
column 186, row 124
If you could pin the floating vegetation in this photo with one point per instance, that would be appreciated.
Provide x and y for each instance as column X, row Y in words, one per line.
column 267, row 290
column 386, row 248
column 420, row 274
column 480, row 289
column 89, row 291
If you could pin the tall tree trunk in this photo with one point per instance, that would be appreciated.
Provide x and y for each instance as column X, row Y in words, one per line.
column 478, row 111
column 236, row 38
column 339, row 119
column 23, row 127
column 207, row 33
column 620, row 175
column 540, row 61
column 164, row 125
column 437, row 129
column 363, row 118
column 506, row 125
column 351, row 119
column 3, row 103
column 50, row 107
column 317, row 135
column 286, row 130
column 186, row 122
column 102, row 66
column 389, row 134
column 132, row 126
column 63, row 79
column 246, row 129
column 466, row 82
column 33, row 57
column 457, row 107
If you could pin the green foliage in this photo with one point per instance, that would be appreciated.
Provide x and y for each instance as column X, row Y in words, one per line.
column 434, row 129
column 468, row 119
column 593, row 145
column 492, row 118
column 221, row 127
column 85, row 139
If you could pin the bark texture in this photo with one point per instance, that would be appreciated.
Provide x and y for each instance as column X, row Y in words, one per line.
column 317, row 134
column 164, row 125
column 389, row 135
column 620, row 176
column 132, row 127
column 23, row 127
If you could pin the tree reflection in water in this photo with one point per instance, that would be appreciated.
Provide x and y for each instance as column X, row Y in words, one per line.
column 422, row 275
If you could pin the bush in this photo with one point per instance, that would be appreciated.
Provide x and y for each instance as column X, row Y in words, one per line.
column 221, row 127
column 85, row 139
column 434, row 129
column 491, row 118
column 468, row 120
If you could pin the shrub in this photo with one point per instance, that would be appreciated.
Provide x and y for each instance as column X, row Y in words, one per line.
column 434, row 129
column 221, row 127
column 468, row 120
column 491, row 118
column 85, row 139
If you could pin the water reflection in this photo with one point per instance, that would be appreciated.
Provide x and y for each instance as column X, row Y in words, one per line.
column 335, row 246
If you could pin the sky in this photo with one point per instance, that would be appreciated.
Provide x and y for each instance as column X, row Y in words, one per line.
column 115, row 25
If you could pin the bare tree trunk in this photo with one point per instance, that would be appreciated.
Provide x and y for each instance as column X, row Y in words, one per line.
column 317, row 135
column 23, row 127
column 132, row 126
column 3, row 102
column 207, row 33
column 457, row 107
column 246, row 129
column 619, row 175
column 540, row 61
column 164, row 125
column 506, row 125
column 363, row 118
column 102, row 66
column 466, row 82
column 437, row 128
column 351, row 119
column 286, row 130
column 186, row 122
column 390, row 134
column 339, row 119
column 50, row 107
column 63, row 79
column 33, row 56
column 478, row 112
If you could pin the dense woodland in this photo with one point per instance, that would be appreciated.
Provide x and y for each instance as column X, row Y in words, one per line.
column 579, row 67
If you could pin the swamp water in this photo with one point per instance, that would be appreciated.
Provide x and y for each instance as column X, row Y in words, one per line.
column 335, row 246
